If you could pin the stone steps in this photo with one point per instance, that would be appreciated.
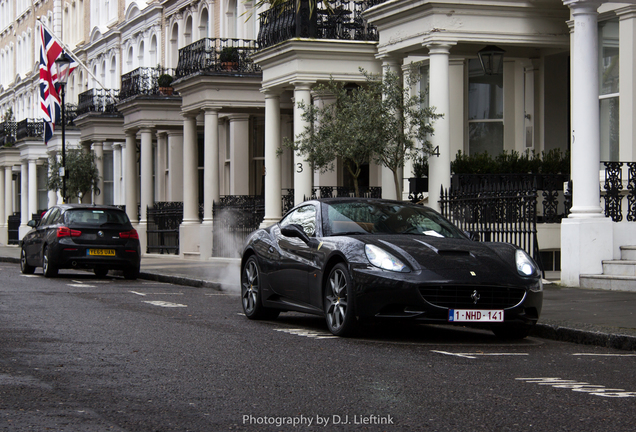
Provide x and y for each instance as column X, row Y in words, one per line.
column 618, row 275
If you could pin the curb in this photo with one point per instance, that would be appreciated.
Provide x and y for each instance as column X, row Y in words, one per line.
column 180, row 280
column 584, row 337
column 10, row 260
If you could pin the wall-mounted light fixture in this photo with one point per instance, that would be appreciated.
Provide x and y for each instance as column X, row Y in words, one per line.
column 491, row 59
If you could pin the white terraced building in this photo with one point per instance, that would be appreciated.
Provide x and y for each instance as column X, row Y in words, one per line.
column 217, row 134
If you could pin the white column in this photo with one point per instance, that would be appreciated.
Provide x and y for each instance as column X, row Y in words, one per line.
column 175, row 166
column 303, row 174
column 389, row 64
column 24, row 198
column 585, row 152
column 117, row 200
column 211, row 162
column 330, row 177
column 3, row 216
column 146, row 198
column 239, row 154
column 439, row 97
column 8, row 192
column 33, row 188
column 98, row 149
column 189, row 230
column 160, row 169
column 210, row 178
column 273, row 163
column 586, row 235
column 130, row 177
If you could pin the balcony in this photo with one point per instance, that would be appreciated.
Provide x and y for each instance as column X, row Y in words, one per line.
column 98, row 101
column 143, row 82
column 218, row 56
column 29, row 128
column 8, row 133
column 336, row 19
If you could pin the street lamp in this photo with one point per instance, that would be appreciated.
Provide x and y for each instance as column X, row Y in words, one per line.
column 63, row 64
column 491, row 59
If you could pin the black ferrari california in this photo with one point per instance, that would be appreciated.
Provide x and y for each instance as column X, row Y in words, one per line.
column 356, row 259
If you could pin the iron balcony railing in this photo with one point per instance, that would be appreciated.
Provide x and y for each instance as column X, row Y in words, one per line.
column 98, row 101
column 614, row 190
column 218, row 56
column 8, row 133
column 333, row 19
column 142, row 82
column 29, row 128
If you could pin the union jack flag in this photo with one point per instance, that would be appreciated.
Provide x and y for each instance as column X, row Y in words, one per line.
column 50, row 50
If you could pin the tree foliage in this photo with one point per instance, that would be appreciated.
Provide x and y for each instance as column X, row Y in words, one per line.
column 81, row 174
column 379, row 120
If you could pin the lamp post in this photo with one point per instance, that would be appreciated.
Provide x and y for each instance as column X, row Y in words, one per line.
column 63, row 63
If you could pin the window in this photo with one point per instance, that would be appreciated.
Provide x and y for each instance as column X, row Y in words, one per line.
column 608, row 90
column 304, row 216
column 485, row 110
column 108, row 178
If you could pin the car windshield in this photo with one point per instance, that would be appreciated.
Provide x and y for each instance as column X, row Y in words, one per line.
column 95, row 217
column 386, row 218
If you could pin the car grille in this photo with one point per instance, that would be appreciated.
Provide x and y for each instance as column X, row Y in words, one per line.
column 461, row 296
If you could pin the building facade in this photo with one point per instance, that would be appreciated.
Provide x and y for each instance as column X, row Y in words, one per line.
column 238, row 75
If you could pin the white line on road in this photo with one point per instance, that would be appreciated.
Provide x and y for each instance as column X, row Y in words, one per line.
column 583, row 387
column 138, row 293
column 475, row 355
column 165, row 304
column 308, row 333
column 604, row 355
column 80, row 285
column 145, row 294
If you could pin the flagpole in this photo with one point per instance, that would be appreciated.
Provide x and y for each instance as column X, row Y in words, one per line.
column 70, row 52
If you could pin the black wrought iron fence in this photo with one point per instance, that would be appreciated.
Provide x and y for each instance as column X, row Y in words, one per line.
column 164, row 219
column 218, row 56
column 235, row 217
column 98, row 101
column 337, row 19
column 8, row 133
column 504, row 212
column 142, row 82
column 615, row 190
column 29, row 128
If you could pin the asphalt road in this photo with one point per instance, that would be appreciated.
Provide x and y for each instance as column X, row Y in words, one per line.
column 79, row 353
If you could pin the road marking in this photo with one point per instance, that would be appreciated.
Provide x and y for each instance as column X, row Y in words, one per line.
column 604, row 355
column 138, row 293
column 308, row 333
column 80, row 285
column 475, row 355
column 30, row 275
column 595, row 390
column 145, row 294
column 165, row 304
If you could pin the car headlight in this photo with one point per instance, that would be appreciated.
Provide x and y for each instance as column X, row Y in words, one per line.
column 525, row 264
column 381, row 258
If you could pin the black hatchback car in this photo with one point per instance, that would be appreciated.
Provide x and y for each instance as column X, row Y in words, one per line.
column 81, row 236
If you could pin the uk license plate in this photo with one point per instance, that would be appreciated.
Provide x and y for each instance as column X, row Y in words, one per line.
column 467, row 315
column 100, row 252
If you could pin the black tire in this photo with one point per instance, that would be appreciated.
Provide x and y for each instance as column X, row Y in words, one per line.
column 48, row 270
column 251, row 292
column 100, row 272
column 511, row 331
column 25, row 268
column 131, row 274
column 338, row 302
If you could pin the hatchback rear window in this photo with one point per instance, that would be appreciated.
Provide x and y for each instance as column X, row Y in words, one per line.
column 96, row 217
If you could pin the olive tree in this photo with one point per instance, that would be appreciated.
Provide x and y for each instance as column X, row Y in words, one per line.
column 379, row 120
column 82, row 174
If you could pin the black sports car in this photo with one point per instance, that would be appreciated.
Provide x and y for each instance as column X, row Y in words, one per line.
column 353, row 259
column 81, row 236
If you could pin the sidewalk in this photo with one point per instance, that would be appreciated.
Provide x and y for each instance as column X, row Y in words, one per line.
column 585, row 316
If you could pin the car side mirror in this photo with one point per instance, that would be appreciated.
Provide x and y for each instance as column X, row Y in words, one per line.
column 295, row 230
column 474, row 236
column 32, row 223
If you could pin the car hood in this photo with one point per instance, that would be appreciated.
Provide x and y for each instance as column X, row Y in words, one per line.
column 448, row 257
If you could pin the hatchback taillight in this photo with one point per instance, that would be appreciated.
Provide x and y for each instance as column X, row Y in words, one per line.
column 67, row 232
column 132, row 234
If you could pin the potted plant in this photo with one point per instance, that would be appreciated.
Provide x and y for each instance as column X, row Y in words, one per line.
column 229, row 58
column 165, row 84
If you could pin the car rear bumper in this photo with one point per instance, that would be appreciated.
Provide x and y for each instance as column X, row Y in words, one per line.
column 417, row 296
column 78, row 256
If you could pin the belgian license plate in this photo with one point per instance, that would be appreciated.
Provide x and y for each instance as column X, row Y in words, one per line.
column 101, row 252
column 467, row 315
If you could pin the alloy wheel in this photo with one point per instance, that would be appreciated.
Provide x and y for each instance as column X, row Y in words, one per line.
column 336, row 300
column 250, row 287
